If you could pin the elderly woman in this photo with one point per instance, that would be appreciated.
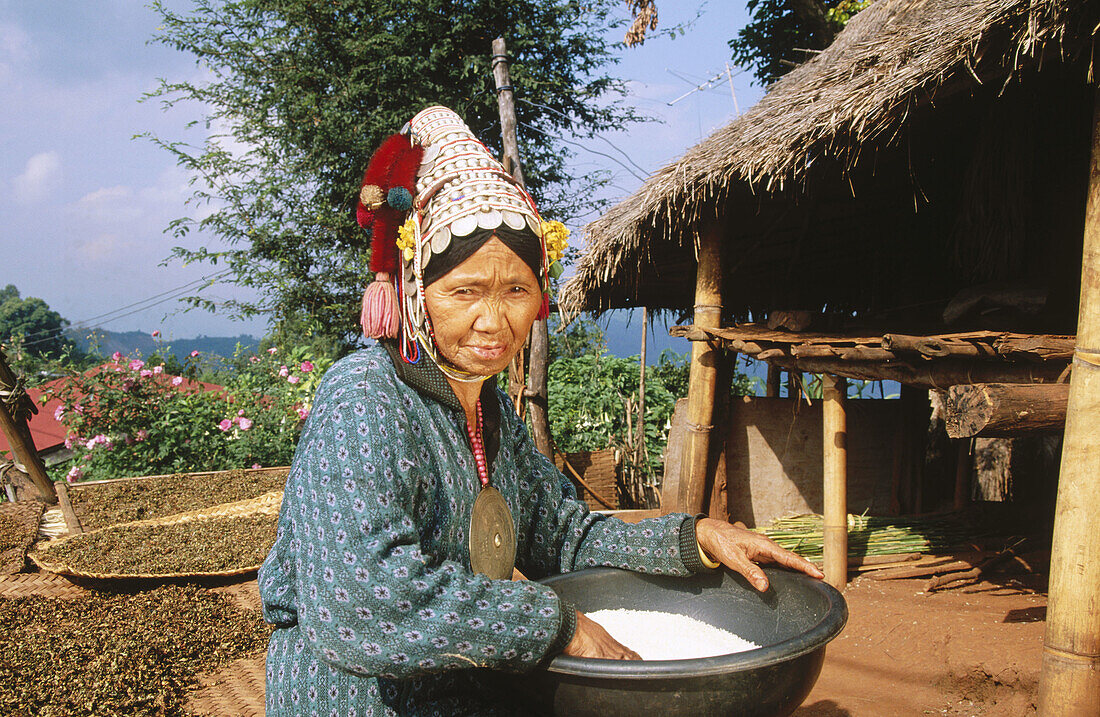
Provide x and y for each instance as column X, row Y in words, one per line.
column 416, row 488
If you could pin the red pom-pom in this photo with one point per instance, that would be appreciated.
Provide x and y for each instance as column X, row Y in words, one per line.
column 364, row 216
column 394, row 164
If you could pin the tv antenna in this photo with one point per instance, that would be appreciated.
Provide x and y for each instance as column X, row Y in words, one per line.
column 728, row 75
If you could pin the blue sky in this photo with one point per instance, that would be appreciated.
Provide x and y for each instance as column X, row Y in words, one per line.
column 83, row 205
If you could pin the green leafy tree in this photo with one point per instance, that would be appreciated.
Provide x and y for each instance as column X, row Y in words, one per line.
column 592, row 398
column 785, row 33
column 31, row 329
column 580, row 337
column 300, row 92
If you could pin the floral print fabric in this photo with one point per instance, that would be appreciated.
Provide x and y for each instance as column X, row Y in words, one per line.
column 368, row 582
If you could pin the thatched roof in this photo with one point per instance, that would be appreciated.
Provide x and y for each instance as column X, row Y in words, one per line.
column 894, row 59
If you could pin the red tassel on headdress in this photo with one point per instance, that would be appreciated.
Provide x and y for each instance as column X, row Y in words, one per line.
column 544, row 312
column 380, row 316
column 385, row 198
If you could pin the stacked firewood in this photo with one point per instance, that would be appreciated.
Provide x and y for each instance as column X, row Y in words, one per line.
column 959, row 569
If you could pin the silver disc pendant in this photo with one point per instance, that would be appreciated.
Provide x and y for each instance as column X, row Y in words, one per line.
column 492, row 535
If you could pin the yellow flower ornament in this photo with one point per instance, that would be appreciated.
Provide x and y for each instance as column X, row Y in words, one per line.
column 406, row 241
column 556, row 236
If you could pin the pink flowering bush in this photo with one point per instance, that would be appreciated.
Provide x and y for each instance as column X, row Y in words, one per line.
column 130, row 417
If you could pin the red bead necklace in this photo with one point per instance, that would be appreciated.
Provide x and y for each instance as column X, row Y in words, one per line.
column 477, row 444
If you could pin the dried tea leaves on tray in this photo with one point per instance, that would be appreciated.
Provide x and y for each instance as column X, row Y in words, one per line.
column 210, row 545
column 111, row 654
column 102, row 504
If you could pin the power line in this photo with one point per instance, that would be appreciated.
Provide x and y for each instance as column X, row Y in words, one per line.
column 135, row 307
column 596, row 136
column 84, row 322
column 603, row 154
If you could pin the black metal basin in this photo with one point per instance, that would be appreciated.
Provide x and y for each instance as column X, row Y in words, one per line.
column 792, row 621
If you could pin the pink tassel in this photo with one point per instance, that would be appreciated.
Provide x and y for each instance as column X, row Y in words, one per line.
column 379, row 317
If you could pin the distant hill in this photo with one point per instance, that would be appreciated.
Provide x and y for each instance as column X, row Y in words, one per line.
column 105, row 343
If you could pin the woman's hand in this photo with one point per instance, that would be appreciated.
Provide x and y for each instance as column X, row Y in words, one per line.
column 591, row 640
column 739, row 548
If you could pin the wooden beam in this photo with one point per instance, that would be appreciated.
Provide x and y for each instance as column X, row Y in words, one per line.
column 704, row 373
column 1070, row 681
column 835, row 490
column 940, row 373
column 934, row 346
column 1005, row 410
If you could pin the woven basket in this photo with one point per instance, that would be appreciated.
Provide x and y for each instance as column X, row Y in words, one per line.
column 26, row 514
column 266, row 504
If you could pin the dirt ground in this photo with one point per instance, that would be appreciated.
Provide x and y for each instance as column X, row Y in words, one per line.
column 970, row 651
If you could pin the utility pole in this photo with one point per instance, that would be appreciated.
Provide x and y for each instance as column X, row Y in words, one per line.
column 14, row 408
column 539, row 340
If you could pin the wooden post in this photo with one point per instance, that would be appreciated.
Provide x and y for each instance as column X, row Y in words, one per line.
column 718, row 504
column 640, row 454
column 538, row 364
column 772, row 386
column 963, row 471
column 704, row 372
column 1070, row 682
column 835, row 490
column 14, row 426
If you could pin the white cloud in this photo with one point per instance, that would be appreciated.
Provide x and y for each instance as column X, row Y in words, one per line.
column 15, row 50
column 40, row 177
column 107, row 247
column 108, row 205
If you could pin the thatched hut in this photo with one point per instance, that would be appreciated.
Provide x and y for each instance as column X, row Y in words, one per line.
column 918, row 192
column 934, row 146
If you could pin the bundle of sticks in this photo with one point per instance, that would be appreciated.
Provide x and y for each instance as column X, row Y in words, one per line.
column 956, row 570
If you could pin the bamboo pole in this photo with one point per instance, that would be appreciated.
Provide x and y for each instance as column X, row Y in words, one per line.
column 835, row 490
column 14, row 426
column 1070, row 682
column 704, row 373
column 540, row 337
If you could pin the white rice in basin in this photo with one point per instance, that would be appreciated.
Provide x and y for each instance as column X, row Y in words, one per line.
column 658, row 635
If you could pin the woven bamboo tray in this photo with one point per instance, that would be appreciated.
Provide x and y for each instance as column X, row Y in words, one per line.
column 26, row 514
column 236, row 689
column 266, row 504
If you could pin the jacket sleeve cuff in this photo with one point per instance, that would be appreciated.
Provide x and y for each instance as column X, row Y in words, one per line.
column 689, row 545
column 566, row 631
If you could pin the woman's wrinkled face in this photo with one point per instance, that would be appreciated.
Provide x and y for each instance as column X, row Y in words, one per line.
column 482, row 310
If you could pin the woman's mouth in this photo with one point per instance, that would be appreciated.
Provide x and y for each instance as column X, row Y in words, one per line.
column 489, row 352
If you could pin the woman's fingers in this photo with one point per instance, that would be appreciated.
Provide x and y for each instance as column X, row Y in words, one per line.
column 739, row 549
column 591, row 640
column 752, row 572
column 788, row 559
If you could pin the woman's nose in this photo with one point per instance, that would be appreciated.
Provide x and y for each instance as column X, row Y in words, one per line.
column 490, row 318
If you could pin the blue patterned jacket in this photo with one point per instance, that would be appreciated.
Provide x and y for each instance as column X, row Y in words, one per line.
column 368, row 585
